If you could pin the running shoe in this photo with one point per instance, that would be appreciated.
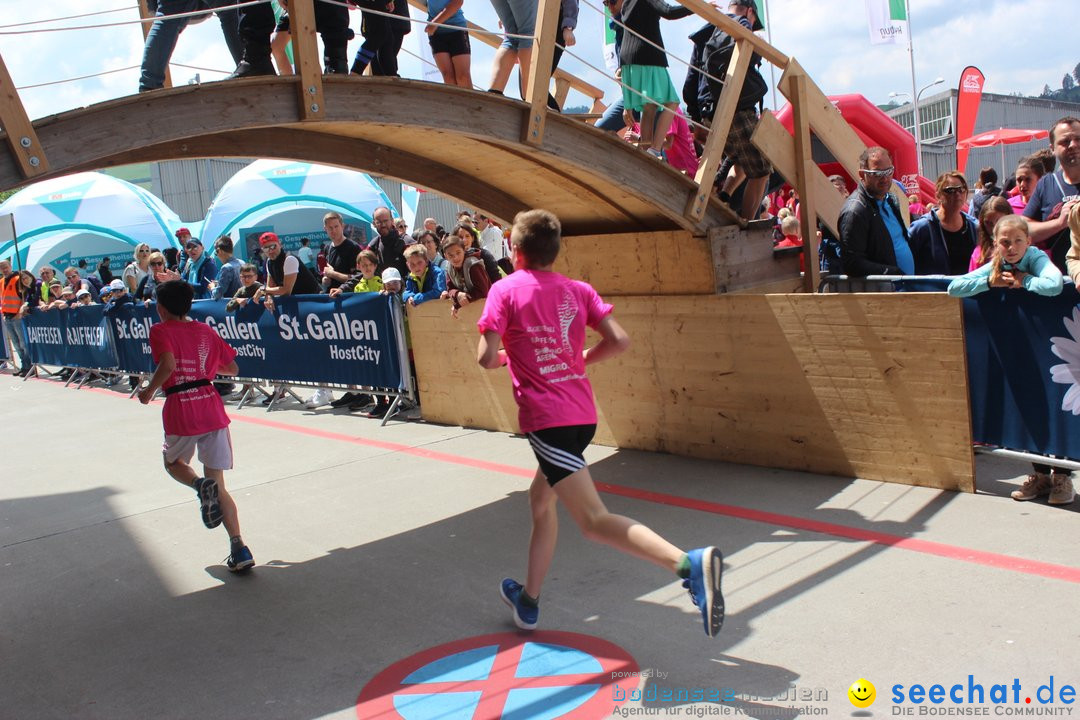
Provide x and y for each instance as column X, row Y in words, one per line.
column 210, row 507
column 525, row 616
column 240, row 560
column 706, row 568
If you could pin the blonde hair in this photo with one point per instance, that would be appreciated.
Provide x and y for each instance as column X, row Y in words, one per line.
column 415, row 249
column 790, row 225
column 135, row 253
column 1005, row 223
column 783, row 212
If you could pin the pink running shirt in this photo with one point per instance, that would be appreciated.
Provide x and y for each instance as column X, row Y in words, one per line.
column 541, row 317
column 199, row 352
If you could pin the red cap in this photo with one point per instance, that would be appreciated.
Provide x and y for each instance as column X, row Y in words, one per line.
column 267, row 238
column 183, row 231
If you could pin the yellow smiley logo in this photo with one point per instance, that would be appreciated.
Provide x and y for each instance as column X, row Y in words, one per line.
column 862, row 693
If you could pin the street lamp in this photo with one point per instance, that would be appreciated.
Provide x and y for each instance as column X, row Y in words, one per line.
column 918, row 133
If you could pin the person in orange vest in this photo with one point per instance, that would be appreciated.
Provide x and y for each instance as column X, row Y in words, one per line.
column 11, row 305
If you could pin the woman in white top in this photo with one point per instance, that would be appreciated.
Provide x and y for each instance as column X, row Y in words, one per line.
column 137, row 269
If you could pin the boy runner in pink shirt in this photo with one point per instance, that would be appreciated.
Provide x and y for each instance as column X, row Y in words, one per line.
column 541, row 317
column 189, row 356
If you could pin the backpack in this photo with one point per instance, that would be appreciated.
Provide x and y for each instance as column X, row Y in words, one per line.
column 715, row 58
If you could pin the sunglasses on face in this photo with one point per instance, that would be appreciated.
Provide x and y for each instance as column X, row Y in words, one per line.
column 270, row 246
column 954, row 190
column 157, row 264
column 887, row 172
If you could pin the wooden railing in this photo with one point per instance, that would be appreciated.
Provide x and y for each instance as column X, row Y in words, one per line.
column 790, row 154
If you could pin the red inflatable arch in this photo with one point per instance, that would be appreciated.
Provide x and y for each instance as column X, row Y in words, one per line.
column 874, row 127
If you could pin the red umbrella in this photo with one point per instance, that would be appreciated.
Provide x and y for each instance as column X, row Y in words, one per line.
column 1002, row 137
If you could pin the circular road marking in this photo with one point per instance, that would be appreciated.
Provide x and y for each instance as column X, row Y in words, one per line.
column 505, row 676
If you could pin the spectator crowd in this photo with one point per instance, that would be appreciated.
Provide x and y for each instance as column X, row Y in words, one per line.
column 455, row 267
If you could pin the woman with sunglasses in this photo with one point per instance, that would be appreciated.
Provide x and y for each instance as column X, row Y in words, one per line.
column 156, row 273
column 942, row 240
column 136, row 269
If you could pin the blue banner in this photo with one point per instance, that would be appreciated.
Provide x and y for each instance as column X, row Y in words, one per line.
column 1023, row 354
column 130, row 324
column 347, row 340
column 75, row 337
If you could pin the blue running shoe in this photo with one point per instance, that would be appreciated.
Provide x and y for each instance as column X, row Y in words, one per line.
column 525, row 616
column 210, row 507
column 706, row 567
column 240, row 560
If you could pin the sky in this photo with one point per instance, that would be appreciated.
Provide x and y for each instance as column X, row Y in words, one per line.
column 830, row 38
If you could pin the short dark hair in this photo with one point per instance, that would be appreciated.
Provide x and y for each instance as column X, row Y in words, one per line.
column 304, row 241
column 176, row 296
column 1067, row 120
column 537, row 234
column 864, row 158
column 249, row 268
column 224, row 243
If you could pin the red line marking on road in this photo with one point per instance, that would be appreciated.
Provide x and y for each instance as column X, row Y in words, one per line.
column 926, row 547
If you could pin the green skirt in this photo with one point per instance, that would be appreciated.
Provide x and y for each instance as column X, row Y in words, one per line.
column 651, row 80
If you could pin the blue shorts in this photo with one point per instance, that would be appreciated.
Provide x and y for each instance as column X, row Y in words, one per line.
column 560, row 450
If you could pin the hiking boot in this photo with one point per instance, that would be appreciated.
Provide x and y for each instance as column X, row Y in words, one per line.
column 240, row 560
column 1061, row 490
column 1036, row 485
column 525, row 616
column 706, row 568
column 209, row 505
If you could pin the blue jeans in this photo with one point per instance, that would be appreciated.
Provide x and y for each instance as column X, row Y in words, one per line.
column 161, row 40
column 13, row 331
column 518, row 17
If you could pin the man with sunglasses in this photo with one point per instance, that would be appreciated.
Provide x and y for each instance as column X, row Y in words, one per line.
column 873, row 235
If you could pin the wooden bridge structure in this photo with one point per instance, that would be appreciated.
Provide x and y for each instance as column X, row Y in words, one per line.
column 720, row 369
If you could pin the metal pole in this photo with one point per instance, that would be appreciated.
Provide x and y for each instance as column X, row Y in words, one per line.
column 772, row 68
column 914, row 96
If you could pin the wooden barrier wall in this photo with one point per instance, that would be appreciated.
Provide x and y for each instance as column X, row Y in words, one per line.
column 861, row 385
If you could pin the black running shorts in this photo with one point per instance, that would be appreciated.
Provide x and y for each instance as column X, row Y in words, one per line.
column 560, row 450
column 455, row 42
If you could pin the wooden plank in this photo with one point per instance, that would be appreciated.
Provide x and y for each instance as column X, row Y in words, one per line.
column 753, row 379
column 804, row 171
column 562, row 89
column 539, row 76
column 145, row 14
column 744, row 260
column 22, row 139
column 732, row 27
column 658, row 263
column 772, row 138
column 827, row 122
column 713, row 153
column 310, row 98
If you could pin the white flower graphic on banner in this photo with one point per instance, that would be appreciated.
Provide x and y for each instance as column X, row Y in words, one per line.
column 1068, row 373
